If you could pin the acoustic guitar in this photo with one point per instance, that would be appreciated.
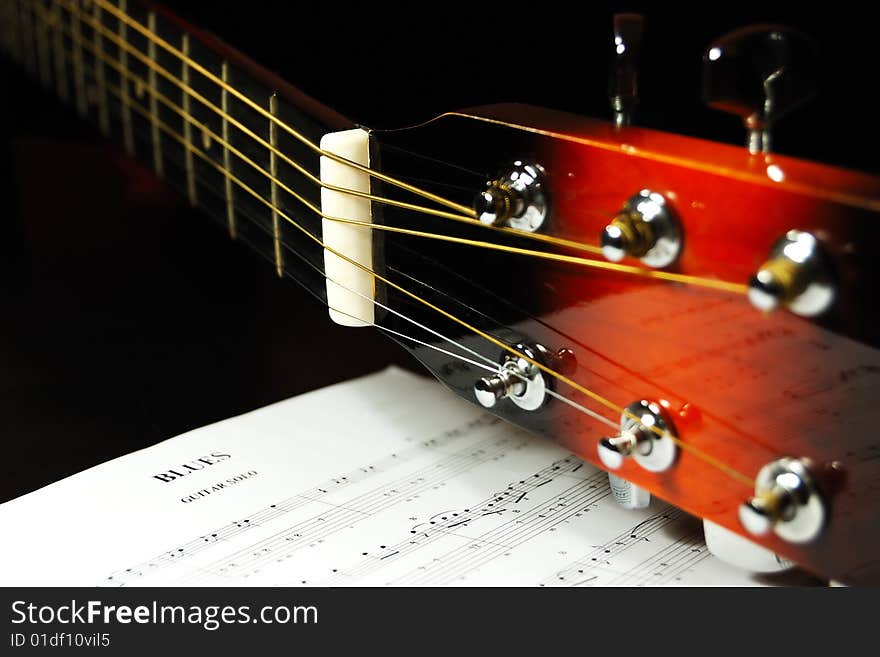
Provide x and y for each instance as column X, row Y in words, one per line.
column 694, row 317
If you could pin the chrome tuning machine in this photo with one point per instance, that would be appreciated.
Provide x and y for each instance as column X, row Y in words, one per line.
column 647, row 435
column 646, row 228
column 797, row 275
column 520, row 380
column 787, row 501
column 517, row 198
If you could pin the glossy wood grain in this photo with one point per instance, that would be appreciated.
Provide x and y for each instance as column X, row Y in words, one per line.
column 744, row 387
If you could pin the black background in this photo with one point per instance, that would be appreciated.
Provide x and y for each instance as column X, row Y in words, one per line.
column 128, row 318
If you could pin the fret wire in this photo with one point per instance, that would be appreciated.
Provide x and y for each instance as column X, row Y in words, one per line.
column 155, row 39
column 154, row 106
column 41, row 37
column 78, row 73
column 273, row 190
column 100, row 76
column 227, row 164
column 187, row 126
column 125, row 86
column 28, row 45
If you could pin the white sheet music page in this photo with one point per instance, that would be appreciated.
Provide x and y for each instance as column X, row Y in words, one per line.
column 384, row 480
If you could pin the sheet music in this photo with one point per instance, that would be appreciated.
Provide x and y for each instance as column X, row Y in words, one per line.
column 384, row 480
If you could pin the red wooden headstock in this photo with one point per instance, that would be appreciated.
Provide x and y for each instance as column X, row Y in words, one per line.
column 740, row 387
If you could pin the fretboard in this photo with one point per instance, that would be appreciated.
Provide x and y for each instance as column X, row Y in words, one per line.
column 234, row 139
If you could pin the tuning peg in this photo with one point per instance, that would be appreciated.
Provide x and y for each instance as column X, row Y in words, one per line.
column 797, row 275
column 646, row 435
column 646, row 228
column 623, row 90
column 518, row 379
column 516, row 198
column 760, row 73
column 787, row 501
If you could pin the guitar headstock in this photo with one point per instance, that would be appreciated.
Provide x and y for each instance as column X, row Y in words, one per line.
column 695, row 317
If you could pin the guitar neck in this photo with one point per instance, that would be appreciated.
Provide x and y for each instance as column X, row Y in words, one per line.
column 236, row 140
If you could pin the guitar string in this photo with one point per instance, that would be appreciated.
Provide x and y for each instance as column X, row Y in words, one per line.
column 726, row 286
column 489, row 365
column 737, row 288
column 712, row 461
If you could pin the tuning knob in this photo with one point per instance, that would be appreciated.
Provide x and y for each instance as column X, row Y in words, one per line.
column 787, row 501
column 623, row 89
column 760, row 73
column 646, row 228
column 519, row 380
column 797, row 275
column 646, row 433
column 516, row 198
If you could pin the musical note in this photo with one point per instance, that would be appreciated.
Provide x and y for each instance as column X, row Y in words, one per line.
column 456, row 497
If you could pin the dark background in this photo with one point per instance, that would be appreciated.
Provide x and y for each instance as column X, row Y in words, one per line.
column 128, row 318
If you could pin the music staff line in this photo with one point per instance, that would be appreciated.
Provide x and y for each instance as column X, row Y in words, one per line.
column 427, row 532
column 294, row 502
column 686, row 551
column 280, row 545
column 456, row 563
